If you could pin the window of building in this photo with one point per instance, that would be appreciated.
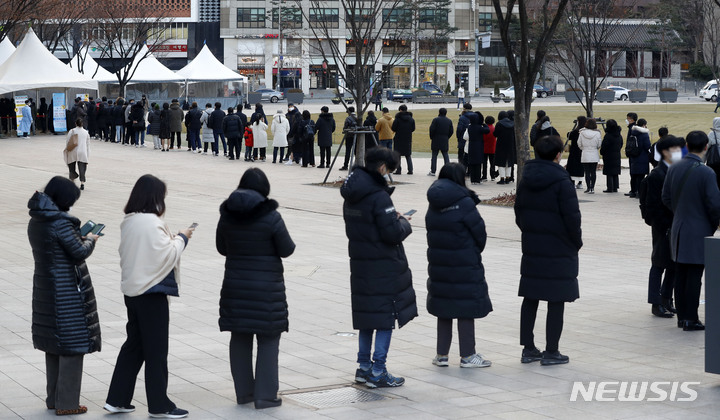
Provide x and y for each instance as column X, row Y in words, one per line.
column 485, row 22
column 396, row 47
column 290, row 17
column 361, row 17
column 165, row 31
column 397, row 18
column 429, row 18
column 326, row 18
column 249, row 17
column 366, row 44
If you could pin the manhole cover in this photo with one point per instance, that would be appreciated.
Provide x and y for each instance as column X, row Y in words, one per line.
column 335, row 397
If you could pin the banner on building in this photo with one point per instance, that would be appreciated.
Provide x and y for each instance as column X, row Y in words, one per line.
column 58, row 113
column 19, row 104
column 85, row 97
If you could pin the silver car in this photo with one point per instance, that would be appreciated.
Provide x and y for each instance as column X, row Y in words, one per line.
column 271, row 95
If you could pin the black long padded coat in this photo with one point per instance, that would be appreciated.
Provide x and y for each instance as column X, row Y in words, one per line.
column 505, row 152
column 610, row 150
column 325, row 127
column 380, row 279
column 660, row 217
column 456, row 237
column 441, row 129
column 252, row 236
column 64, row 312
column 403, row 126
column 476, row 130
column 574, row 165
column 548, row 215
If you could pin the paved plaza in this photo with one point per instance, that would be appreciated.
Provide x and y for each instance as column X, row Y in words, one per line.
column 609, row 332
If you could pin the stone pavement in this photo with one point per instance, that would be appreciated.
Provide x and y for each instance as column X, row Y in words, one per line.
column 609, row 333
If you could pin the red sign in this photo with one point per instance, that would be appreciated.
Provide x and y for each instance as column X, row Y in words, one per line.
column 168, row 48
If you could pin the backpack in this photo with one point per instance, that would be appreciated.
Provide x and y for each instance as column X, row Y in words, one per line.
column 632, row 148
column 309, row 130
column 642, row 198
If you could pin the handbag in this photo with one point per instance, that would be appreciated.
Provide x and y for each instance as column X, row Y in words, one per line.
column 72, row 142
column 466, row 137
column 713, row 153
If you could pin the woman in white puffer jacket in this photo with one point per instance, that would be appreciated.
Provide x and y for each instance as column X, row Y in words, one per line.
column 280, row 129
column 589, row 141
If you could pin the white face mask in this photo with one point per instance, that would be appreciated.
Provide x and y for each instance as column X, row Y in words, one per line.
column 676, row 157
column 627, row 122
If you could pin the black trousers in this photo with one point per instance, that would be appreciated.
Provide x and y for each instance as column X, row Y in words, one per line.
column 262, row 151
column 409, row 161
column 325, row 153
column 147, row 342
column 688, row 284
column 349, row 142
column 466, row 336
column 82, row 168
column 635, row 180
column 553, row 324
column 660, row 287
column 475, row 173
column 613, row 182
column 488, row 157
column 64, row 378
column 275, row 153
column 308, row 153
column 461, row 152
column 234, row 146
column 173, row 135
column 433, row 161
column 590, row 174
column 263, row 385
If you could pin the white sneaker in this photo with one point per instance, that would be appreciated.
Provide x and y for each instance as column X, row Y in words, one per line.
column 474, row 361
column 115, row 410
column 441, row 361
column 431, row 173
column 289, row 162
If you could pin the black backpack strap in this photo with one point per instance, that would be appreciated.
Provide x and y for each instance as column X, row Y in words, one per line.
column 679, row 190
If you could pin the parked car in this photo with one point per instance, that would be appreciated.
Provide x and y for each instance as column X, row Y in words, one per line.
column 432, row 88
column 348, row 100
column 621, row 94
column 271, row 95
column 399, row 94
column 542, row 91
column 709, row 92
column 510, row 93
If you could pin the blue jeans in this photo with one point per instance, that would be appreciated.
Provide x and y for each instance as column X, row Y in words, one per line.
column 119, row 133
column 141, row 135
column 222, row 137
column 194, row 139
column 382, row 344
column 386, row 143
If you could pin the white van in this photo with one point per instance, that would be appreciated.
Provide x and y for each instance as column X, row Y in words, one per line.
column 709, row 92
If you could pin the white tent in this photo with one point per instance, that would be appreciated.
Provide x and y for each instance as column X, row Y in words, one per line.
column 90, row 66
column 6, row 49
column 206, row 68
column 32, row 66
column 150, row 70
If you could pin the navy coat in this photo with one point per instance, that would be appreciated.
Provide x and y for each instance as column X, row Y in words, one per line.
column 64, row 312
column 233, row 126
column 696, row 208
column 456, row 238
column 325, row 127
column 253, row 238
column 476, row 130
column 380, row 279
column 660, row 216
column 610, row 150
column 641, row 165
column 216, row 121
column 548, row 215
column 403, row 126
column 574, row 165
column 505, row 152
column 441, row 129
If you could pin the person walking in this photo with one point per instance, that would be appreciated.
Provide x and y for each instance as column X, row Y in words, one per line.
column 216, row 123
column 150, row 273
column 460, row 96
column 65, row 324
column 640, row 162
column 610, row 150
column 77, row 152
column 176, row 119
column 548, row 215
column 154, row 122
column 165, row 127
column 378, row 100
column 350, row 124
column 280, row 128
column 325, row 126
column 259, row 131
column 252, row 237
column 208, row 138
column 505, row 148
column 384, row 129
column 574, row 164
column 380, row 278
column 27, row 119
column 690, row 190
column 475, row 145
column 233, row 127
column 441, row 129
column 403, row 126
column 660, row 217
column 456, row 285
column 489, row 142
column 589, row 141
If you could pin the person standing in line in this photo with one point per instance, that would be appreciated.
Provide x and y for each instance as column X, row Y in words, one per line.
column 129, row 129
column 537, row 126
column 441, row 129
column 101, row 119
column 248, row 137
column 460, row 97
column 65, row 324
column 690, row 190
column 589, row 141
column 660, row 217
column 43, row 115
column 137, row 119
column 233, row 127
column 380, row 278
column 574, row 164
column 308, row 141
column 351, row 123
column 462, row 125
column 253, row 238
column 371, row 140
column 714, row 140
column 610, row 150
column 79, row 154
column 548, row 215
column 92, row 117
column 630, row 120
column 489, row 142
column 280, row 128
column 456, row 285
column 639, row 164
column 216, row 123
column 150, row 273
column 476, row 149
column 260, row 110
column 154, row 123
column 207, row 131
column 403, row 126
column 325, row 126
column 384, row 129
column 193, row 124
column 293, row 117
column 27, row 119
column 505, row 147
column 259, row 131
column 109, row 123
column 176, row 120
column 118, row 118
column 165, row 127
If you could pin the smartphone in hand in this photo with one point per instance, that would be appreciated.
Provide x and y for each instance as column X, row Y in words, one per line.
column 410, row 213
column 193, row 226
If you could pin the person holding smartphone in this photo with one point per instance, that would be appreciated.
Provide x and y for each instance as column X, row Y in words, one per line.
column 65, row 321
column 150, row 271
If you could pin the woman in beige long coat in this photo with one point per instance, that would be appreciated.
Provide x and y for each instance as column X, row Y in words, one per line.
column 79, row 154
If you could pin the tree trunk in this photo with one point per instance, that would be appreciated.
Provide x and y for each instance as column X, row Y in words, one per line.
column 522, row 127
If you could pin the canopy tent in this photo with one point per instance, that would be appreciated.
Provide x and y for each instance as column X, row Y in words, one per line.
column 91, row 68
column 150, row 70
column 32, row 66
column 209, row 80
column 6, row 49
column 206, row 68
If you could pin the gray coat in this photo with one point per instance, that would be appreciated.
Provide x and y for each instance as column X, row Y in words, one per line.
column 696, row 206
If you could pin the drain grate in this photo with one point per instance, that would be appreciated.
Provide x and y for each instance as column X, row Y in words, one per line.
column 334, row 397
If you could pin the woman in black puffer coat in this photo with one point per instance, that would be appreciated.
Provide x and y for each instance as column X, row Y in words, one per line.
column 610, row 150
column 574, row 165
column 252, row 236
column 65, row 322
column 456, row 287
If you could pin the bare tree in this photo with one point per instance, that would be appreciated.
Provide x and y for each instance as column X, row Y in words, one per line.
column 582, row 56
column 711, row 42
column 436, row 20
column 14, row 14
column 60, row 25
column 524, row 59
